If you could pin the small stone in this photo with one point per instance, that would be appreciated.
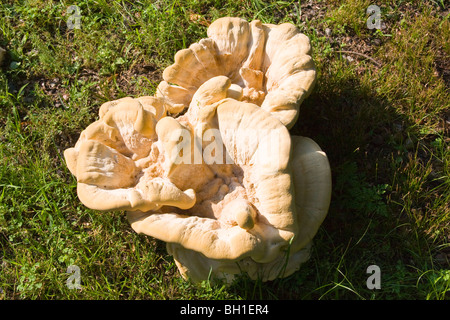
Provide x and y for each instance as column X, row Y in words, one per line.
column 14, row 65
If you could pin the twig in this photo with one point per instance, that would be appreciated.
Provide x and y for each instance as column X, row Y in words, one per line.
column 362, row 55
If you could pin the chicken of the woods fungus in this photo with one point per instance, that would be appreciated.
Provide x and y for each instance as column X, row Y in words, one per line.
column 268, row 65
column 208, row 164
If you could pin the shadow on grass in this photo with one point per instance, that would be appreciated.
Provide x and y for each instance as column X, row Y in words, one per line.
column 366, row 143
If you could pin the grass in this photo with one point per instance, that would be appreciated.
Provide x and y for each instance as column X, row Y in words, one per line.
column 380, row 110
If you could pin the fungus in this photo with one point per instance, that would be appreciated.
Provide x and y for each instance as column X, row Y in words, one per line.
column 223, row 183
column 268, row 65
